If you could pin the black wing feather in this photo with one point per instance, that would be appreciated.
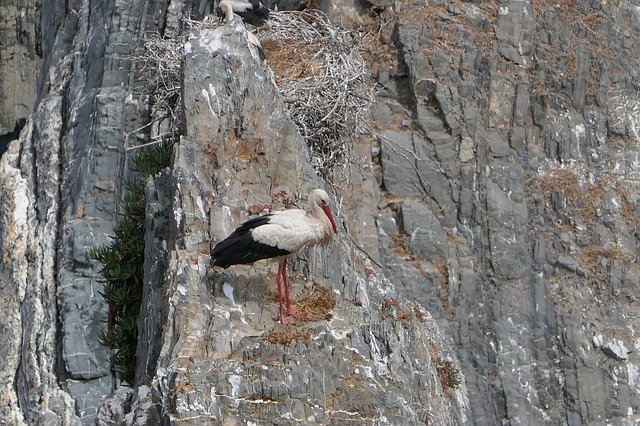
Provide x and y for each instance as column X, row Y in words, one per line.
column 256, row 15
column 240, row 248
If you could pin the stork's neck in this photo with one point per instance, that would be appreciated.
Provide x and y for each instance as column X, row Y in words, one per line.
column 327, row 229
column 228, row 11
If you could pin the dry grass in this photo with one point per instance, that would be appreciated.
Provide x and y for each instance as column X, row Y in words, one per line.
column 593, row 256
column 315, row 303
column 586, row 28
column 583, row 198
column 292, row 60
column 287, row 335
column 629, row 214
column 448, row 374
column 400, row 246
column 392, row 309
column 405, row 317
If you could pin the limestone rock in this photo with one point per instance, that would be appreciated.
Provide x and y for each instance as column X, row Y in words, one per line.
column 221, row 359
column 506, row 141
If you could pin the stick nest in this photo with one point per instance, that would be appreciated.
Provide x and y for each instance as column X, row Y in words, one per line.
column 158, row 60
column 319, row 70
column 324, row 81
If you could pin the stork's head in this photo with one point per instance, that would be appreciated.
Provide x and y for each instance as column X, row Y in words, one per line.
column 319, row 197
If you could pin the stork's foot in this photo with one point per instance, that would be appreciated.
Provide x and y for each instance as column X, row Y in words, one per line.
column 287, row 319
column 293, row 313
column 291, row 316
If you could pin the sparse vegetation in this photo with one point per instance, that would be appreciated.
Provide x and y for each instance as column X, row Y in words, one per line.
column 564, row 26
column 595, row 259
column 392, row 309
column 315, row 303
column 583, row 197
column 448, row 374
column 287, row 335
column 123, row 263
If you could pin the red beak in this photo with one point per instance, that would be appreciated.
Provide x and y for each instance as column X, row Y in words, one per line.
column 327, row 211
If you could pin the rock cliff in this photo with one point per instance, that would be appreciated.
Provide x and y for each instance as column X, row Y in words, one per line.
column 487, row 222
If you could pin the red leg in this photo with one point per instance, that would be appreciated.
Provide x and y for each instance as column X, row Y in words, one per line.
column 278, row 280
column 290, row 311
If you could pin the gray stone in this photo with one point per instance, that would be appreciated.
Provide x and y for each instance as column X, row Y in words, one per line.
column 409, row 170
column 571, row 264
column 581, row 77
column 503, row 207
column 467, row 150
column 498, row 146
column 616, row 349
column 427, row 238
column 483, row 116
column 20, row 49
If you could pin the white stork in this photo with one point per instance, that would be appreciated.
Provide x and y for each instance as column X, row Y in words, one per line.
column 251, row 11
column 278, row 235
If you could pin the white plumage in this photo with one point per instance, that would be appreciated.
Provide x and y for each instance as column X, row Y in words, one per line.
column 278, row 235
column 251, row 11
column 292, row 230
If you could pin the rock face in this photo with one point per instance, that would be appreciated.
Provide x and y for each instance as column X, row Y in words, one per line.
column 220, row 357
column 489, row 225
column 20, row 58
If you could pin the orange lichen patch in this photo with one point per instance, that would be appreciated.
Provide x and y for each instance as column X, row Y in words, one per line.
column 292, row 60
column 315, row 304
column 288, row 334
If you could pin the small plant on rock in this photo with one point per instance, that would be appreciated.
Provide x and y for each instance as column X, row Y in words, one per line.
column 449, row 376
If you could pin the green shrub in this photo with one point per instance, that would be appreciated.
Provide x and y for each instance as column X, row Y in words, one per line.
column 123, row 263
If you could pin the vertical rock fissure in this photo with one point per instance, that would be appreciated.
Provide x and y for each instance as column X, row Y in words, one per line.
column 60, row 371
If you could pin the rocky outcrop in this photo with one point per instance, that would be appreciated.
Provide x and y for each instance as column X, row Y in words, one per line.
column 62, row 186
column 221, row 357
column 488, row 225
